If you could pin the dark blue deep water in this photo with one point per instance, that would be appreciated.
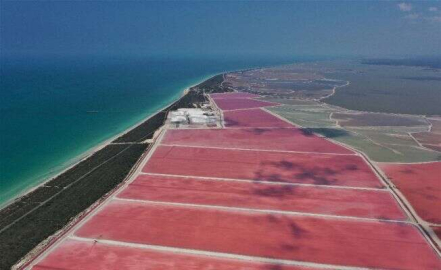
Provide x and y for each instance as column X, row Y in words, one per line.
column 45, row 105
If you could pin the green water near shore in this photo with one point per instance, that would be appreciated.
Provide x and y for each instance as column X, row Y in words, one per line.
column 54, row 110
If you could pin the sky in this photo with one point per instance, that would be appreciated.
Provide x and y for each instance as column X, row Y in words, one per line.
column 316, row 28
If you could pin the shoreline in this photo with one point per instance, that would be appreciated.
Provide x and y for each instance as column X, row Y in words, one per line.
column 76, row 160
column 68, row 196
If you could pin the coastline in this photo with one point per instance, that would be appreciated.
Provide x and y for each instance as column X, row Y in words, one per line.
column 76, row 160
column 62, row 199
column 69, row 164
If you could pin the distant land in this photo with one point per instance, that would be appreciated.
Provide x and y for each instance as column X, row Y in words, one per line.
column 430, row 62
column 433, row 63
column 408, row 86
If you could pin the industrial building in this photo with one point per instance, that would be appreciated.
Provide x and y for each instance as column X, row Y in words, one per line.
column 193, row 117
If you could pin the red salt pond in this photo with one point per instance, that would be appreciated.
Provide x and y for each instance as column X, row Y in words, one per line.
column 305, row 199
column 421, row 185
column 288, row 139
column 319, row 240
column 190, row 221
column 87, row 255
column 310, row 168
column 253, row 118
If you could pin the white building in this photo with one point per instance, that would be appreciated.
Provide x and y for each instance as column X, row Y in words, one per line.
column 193, row 116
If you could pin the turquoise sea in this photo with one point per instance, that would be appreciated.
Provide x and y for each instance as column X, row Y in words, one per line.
column 46, row 105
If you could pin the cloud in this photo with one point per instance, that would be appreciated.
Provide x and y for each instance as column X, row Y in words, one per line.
column 432, row 14
column 412, row 16
column 405, row 7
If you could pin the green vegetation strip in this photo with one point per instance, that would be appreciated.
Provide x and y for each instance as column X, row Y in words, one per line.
column 305, row 118
column 214, row 85
column 147, row 129
column 192, row 99
column 49, row 208
column 380, row 143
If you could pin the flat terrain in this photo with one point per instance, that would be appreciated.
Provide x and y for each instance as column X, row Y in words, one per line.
column 293, row 82
column 383, row 137
column 228, row 104
column 387, row 89
column 305, row 116
column 302, row 168
column 44, row 212
column 377, row 119
column 432, row 138
column 255, row 118
column 288, row 139
column 241, row 233
column 90, row 255
column 421, row 185
column 199, row 202
column 366, row 203
column 236, row 95
column 388, row 113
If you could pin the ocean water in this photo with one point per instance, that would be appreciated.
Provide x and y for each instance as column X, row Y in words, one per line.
column 46, row 122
